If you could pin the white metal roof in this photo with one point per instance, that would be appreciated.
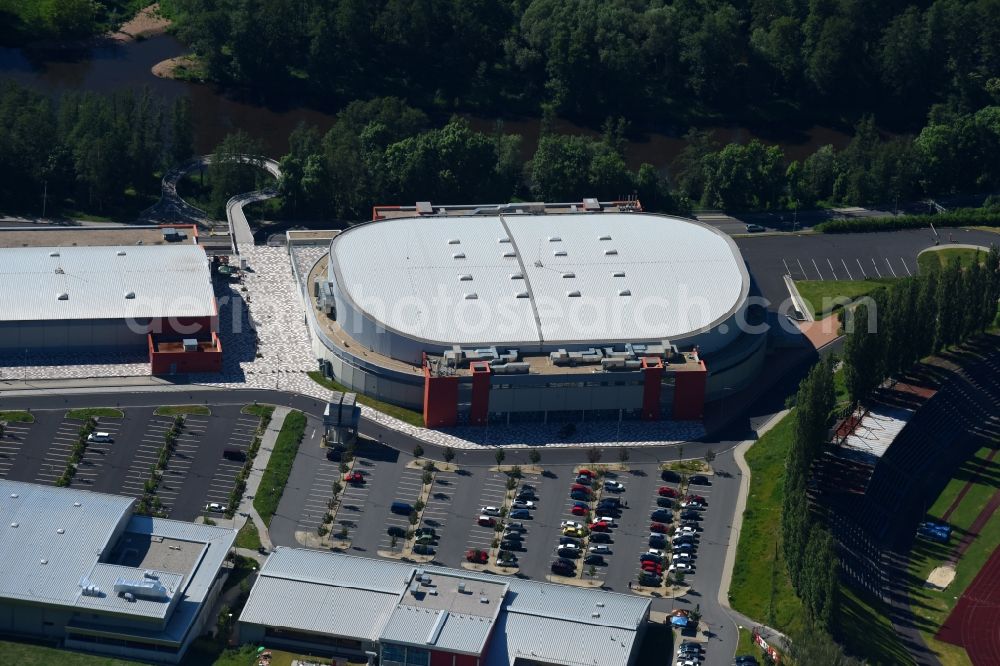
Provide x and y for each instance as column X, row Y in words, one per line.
column 680, row 277
column 92, row 282
column 876, row 432
column 349, row 596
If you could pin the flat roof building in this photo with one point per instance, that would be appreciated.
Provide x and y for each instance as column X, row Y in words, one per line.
column 81, row 568
column 70, row 291
column 410, row 615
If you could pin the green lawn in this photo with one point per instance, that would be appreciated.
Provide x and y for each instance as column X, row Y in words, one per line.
column 760, row 587
column 825, row 297
column 248, row 537
column 941, row 258
column 272, row 483
column 175, row 410
column 31, row 654
column 17, row 417
column 401, row 413
column 259, row 411
column 99, row 412
column 864, row 629
column 933, row 606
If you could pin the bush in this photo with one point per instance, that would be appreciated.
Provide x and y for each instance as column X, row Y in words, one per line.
column 449, row 454
column 418, row 451
column 427, row 478
column 272, row 483
column 429, row 465
column 961, row 217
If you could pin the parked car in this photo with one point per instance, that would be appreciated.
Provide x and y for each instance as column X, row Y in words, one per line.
column 600, row 526
column 581, row 496
column 586, row 472
column 614, row 486
column 579, row 510
column 650, row 557
column 697, row 498
column 523, row 504
column 649, row 578
column 512, row 536
column 99, row 437
column 520, row 513
column 658, row 527
column 563, row 568
column 683, row 547
column 600, row 537
column 424, row 538
column 652, row 567
column 657, row 540
column 426, row 530
column 528, row 487
column 681, row 557
column 573, row 531
column 580, row 488
column 527, row 495
column 691, row 504
column 666, row 491
column 689, row 646
column 670, row 476
column 403, row 508
column 354, row 477
column 570, row 523
column 490, row 511
column 563, row 540
column 477, row 556
column 754, row 228
column 506, row 559
column 396, row 531
column 600, row 549
column 594, row 560
column 486, row 521
column 680, row 566
column 699, row 480
column 215, row 507
column 583, row 480
column 690, row 514
column 423, row 549
column 662, row 516
column 665, row 502
column 746, row 660
column 611, row 501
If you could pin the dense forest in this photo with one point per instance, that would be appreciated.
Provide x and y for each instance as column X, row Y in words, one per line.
column 31, row 20
column 651, row 61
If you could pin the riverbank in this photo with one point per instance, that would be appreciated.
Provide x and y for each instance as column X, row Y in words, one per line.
column 148, row 22
column 181, row 68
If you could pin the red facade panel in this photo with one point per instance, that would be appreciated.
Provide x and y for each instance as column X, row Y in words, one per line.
column 440, row 400
column 689, row 394
column 480, row 408
column 652, row 372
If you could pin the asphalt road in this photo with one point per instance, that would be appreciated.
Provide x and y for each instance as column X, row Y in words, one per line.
column 842, row 256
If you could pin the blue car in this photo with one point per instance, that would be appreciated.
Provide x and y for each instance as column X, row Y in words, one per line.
column 520, row 513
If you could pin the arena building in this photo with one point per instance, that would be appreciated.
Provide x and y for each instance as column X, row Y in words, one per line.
column 535, row 312
column 98, row 291
column 81, row 569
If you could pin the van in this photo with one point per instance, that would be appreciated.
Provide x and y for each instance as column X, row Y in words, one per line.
column 234, row 454
column 99, row 437
column 401, row 507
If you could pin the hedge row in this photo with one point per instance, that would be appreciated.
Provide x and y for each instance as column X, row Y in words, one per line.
column 960, row 217
column 279, row 466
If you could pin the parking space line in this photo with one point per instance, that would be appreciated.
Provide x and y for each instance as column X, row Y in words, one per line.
column 804, row 276
column 849, row 276
column 816, row 266
column 876, row 267
column 890, row 267
column 831, row 268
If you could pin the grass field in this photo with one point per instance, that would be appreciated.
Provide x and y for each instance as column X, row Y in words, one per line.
column 828, row 296
column 31, row 654
column 174, row 410
column 99, row 412
column 941, row 258
column 933, row 606
column 272, row 483
column 248, row 536
column 864, row 629
column 760, row 587
column 401, row 413
column 259, row 411
column 17, row 417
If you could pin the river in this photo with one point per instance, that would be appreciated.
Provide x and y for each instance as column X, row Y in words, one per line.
column 120, row 66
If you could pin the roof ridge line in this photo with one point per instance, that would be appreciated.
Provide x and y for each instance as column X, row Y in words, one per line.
column 527, row 280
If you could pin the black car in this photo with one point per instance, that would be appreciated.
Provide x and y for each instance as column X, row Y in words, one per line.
column 527, row 496
column 596, row 560
column 670, row 475
column 600, row 537
column 657, row 542
column 509, row 544
column 746, row 660
column 612, row 501
column 563, row 567
column 662, row 516
column 564, row 540
column 527, row 486
column 580, row 495
column 689, row 514
column 699, row 480
column 665, row 502
column 569, row 552
column 396, row 531
column 647, row 578
column 423, row 549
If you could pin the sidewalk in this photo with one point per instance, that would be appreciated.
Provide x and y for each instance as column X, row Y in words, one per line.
column 253, row 481
column 725, row 581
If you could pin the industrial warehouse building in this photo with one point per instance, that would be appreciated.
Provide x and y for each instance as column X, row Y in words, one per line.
column 100, row 291
column 81, row 569
column 354, row 608
column 535, row 312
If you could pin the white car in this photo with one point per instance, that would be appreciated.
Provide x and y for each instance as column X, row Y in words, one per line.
column 655, row 551
column 606, row 519
column 215, row 507
column 99, row 437
column 686, row 529
column 686, row 662
column 523, row 504
column 600, row 549
column 681, row 557
column 490, row 511
column 569, row 546
column 692, row 505
column 680, row 566
column 614, row 486
column 570, row 523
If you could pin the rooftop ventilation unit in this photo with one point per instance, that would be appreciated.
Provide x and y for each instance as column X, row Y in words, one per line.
column 53, row 254
column 461, row 587
column 522, row 294
column 471, row 296
column 569, row 275
column 120, row 253
column 464, row 277
column 62, row 296
column 609, row 253
column 591, row 203
column 618, row 274
column 516, row 276
column 510, row 254
column 190, row 344
column 503, row 239
column 454, row 241
column 60, row 531
column 559, row 253
column 458, row 255
column 129, row 294
column 605, row 237
column 554, row 239
column 625, row 292
column 573, row 294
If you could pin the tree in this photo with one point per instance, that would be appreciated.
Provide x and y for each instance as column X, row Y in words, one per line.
column 593, row 455
column 743, row 177
column 181, row 131
column 449, row 454
column 418, row 450
column 623, row 454
column 500, row 456
column 237, row 166
column 709, row 456
column 534, row 456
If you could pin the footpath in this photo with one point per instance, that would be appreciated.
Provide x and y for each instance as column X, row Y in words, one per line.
column 246, row 509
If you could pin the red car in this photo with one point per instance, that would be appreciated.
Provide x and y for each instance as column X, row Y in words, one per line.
column 695, row 498
column 658, row 527
column 586, row 472
column 354, row 477
column 599, row 526
column 578, row 510
column 652, row 567
column 667, row 491
column 477, row 556
column 487, row 521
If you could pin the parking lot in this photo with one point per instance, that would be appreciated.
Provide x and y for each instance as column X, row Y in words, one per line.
column 196, row 474
column 407, row 490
